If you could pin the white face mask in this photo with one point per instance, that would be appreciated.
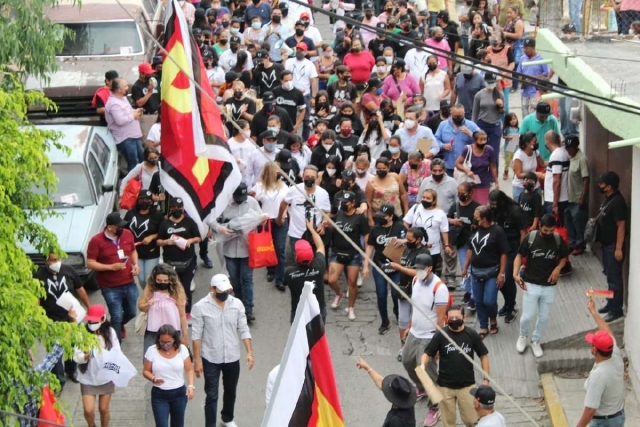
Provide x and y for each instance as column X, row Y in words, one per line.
column 421, row 274
column 382, row 68
column 331, row 172
column 287, row 85
column 409, row 123
column 94, row 326
column 327, row 146
column 490, row 86
column 55, row 267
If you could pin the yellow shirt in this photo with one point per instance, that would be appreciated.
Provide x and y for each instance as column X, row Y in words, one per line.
column 437, row 5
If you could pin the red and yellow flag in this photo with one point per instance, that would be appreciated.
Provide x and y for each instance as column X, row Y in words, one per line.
column 197, row 164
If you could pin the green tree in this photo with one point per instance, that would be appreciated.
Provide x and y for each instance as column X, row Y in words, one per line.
column 29, row 44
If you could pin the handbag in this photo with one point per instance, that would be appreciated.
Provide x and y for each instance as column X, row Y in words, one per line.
column 591, row 229
column 141, row 323
column 344, row 256
column 130, row 194
column 486, row 273
column 462, row 177
column 262, row 252
column 179, row 266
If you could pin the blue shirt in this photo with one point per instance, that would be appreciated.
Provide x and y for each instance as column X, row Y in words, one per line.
column 409, row 143
column 467, row 90
column 447, row 132
column 529, row 90
column 263, row 10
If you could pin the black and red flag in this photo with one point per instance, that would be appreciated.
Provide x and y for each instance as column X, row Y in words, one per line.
column 197, row 164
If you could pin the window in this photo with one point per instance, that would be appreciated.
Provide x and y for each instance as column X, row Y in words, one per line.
column 101, row 151
column 73, row 187
column 96, row 173
column 102, row 38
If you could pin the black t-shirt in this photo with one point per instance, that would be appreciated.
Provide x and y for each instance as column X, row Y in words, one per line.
column 290, row 100
column 434, row 122
column 139, row 90
column 455, row 371
column 338, row 94
column 236, row 105
column 239, row 15
column 512, row 223
column 361, row 197
column 542, row 257
column 409, row 260
column 405, row 46
column 399, row 417
column 379, row 238
column 259, row 122
column 186, row 228
column 376, row 46
column 354, row 226
column 396, row 164
column 320, row 155
column 531, row 205
column 281, row 140
column 487, row 246
column 266, row 79
column 615, row 209
column 349, row 143
column 295, row 276
column 67, row 280
column 465, row 213
column 142, row 226
column 451, row 34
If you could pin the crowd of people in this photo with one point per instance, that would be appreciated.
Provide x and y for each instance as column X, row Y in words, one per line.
column 399, row 144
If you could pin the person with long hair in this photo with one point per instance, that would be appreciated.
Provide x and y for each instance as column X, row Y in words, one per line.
column 145, row 170
column 90, row 363
column 525, row 160
column 329, row 179
column 270, row 191
column 347, row 110
column 511, row 135
column 375, row 135
column 300, row 152
column 325, row 66
column 483, row 167
column 482, row 7
column 144, row 222
column 321, row 109
column 435, row 84
column 395, row 154
column 362, row 150
column 165, row 364
column 240, row 68
column 372, row 98
column 478, row 33
column 501, row 55
column 488, row 108
column 514, row 33
column 385, row 187
column 164, row 300
column 413, row 172
column 242, row 147
column 361, row 168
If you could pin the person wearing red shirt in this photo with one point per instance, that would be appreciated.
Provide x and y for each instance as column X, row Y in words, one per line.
column 361, row 62
column 112, row 255
column 102, row 95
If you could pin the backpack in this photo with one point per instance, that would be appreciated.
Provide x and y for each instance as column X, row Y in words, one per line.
column 435, row 289
column 532, row 238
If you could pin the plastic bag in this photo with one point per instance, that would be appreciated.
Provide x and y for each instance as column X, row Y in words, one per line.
column 242, row 225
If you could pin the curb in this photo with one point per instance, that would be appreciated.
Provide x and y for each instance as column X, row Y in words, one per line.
column 557, row 416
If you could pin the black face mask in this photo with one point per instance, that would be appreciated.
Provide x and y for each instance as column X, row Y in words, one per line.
column 426, row 204
column 346, row 185
column 118, row 231
column 345, row 207
column 299, row 32
column 237, row 94
column 529, row 186
column 463, row 197
column 162, row 286
column 222, row 296
column 269, row 107
column 349, row 26
column 467, row 76
column 438, row 39
column 234, row 49
column 411, row 245
column 152, row 162
column 176, row 213
column 256, row 2
column 475, row 222
column 432, row 67
column 602, row 190
column 309, row 182
column 223, row 41
column 536, row 146
column 481, row 146
column 437, row 177
column 368, row 15
column 379, row 220
column 445, row 113
column 144, row 206
column 457, row 120
column 382, row 174
column 456, row 324
column 390, row 10
column 276, row 19
column 413, row 165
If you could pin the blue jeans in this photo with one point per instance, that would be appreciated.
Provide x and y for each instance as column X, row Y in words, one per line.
column 169, row 403
column 131, row 149
column 536, row 300
column 486, row 297
column 575, row 7
column 381, row 293
column 279, row 235
column 506, row 91
column 612, row 422
column 146, row 266
column 494, row 136
column 568, row 127
column 230, row 376
column 613, row 271
column 122, row 302
column 462, row 258
column 241, row 277
column 575, row 220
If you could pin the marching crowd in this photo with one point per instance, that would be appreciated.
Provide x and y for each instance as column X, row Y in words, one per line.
column 398, row 143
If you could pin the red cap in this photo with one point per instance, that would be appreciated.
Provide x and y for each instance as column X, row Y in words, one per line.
column 305, row 15
column 601, row 340
column 304, row 251
column 146, row 68
column 302, row 46
column 95, row 313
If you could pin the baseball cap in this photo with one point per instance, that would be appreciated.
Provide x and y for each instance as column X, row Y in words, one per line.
column 221, row 282
column 207, row 54
column 572, row 141
column 485, row 394
column 95, row 313
column 283, row 6
column 176, row 202
column 302, row 46
column 529, row 41
column 489, row 77
column 399, row 62
column 348, row 196
column 241, row 193
column 381, row 26
column 610, row 178
column 422, row 261
column 543, row 108
column 268, row 134
column 145, row 194
column 231, row 76
column 601, row 340
column 234, row 40
column 374, row 82
column 404, row 17
column 304, row 251
column 443, row 14
column 445, row 103
column 299, row 22
column 268, row 97
column 368, row 6
column 262, row 53
column 146, row 68
column 156, row 60
column 349, row 174
column 305, row 15
column 284, row 159
column 466, row 68
column 197, row 31
column 387, row 209
column 114, row 218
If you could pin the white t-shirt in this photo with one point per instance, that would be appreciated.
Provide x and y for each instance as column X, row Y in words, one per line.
column 303, row 71
column 216, row 75
column 271, row 199
column 416, row 61
column 529, row 164
column 494, row 419
column 313, row 33
column 242, row 152
column 422, row 295
column 433, row 88
column 433, row 220
column 296, row 201
column 154, row 134
column 362, row 182
column 303, row 157
column 559, row 163
column 170, row 370
column 228, row 60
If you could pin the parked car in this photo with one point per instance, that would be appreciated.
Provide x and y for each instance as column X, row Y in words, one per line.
column 86, row 193
column 106, row 38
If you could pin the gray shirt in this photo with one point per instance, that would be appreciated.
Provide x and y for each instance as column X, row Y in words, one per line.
column 447, row 190
column 466, row 90
column 238, row 245
column 605, row 386
column 484, row 107
column 219, row 328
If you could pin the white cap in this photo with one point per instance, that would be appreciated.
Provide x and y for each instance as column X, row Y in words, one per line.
column 221, row 282
column 466, row 68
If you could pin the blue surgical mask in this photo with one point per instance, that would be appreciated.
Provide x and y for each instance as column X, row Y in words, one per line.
column 256, row 25
column 379, row 91
column 394, row 150
column 273, row 128
column 270, row 147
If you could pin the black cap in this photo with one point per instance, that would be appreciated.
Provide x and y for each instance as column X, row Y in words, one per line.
column 399, row 62
column 610, row 178
column 387, row 209
column 490, row 77
column 145, row 194
column 234, row 40
column 422, row 261
column 404, row 17
column 197, row 31
column 232, row 76
column 381, row 26
column 262, row 53
column 443, row 14
column 485, row 394
column 268, row 97
column 207, row 54
column 283, row 6
column 269, row 134
column 571, row 141
column 177, row 201
column 114, row 218
column 375, row 82
column 569, row 28
column 241, row 193
column 529, row 41
column 543, row 108
column 445, row 103
column 299, row 22
column 368, row 6
column 156, row 60
column 284, row 159
column 349, row 174
column 348, row 196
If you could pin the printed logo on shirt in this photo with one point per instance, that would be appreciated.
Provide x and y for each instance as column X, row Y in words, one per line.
column 346, row 227
column 172, row 230
column 308, row 273
column 282, row 101
column 383, row 240
column 450, row 348
column 300, row 71
column 428, row 223
column 538, row 253
column 269, row 79
column 526, row 207
column 56, row 288
column 478, row 244
column 139, row 229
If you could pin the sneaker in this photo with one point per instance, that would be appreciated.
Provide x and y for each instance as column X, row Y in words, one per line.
column 610, row 317
column 420, row 394
column 270, row 277
column 521, row 345
column 399, row 356
column 250, row 319
column 537, row 350
column 472, row 305
column 228, row 424
column 603, row 310
column 384, row 327
column 189, row 321
column 466, row 298
column 336, row 301
column 432, row 417
column 503, row 311
column 510, row 317
column 280, row 287
column 207, row 262
column 567, row 270
column 359, row 283
column 351, row 313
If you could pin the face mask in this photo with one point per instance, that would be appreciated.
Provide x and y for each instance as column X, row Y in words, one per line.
column 269, row 146
column 467, row 76
column 426, row 204
column 602, row 190
column 368, row 14
column 536, row 146
column 439, row 38
column 437, row 177
column 119, row 231
column 381, row 68
column 222, row 296
column 379, row 91
column 276, row 19
column 273, row 128
column 411, row 245
column 355, row 50
column 480, row 145
column 463, row 197
column 445, row 113
column 475, row 222
column 299, row 32
column 234, row 49
column 299, row 55
column 409, row 123
column 346, row 185
column 490, row 86
column 529, row 186
column 223, row 41
column 394, row 150
column 256, row 2
column 494, row 43
column 413, row 166
column 327, row 146
column 234, row 30
column 176, row 213
column 55, row 267
column 379, row 220
column 237, row 94
column 382, row 174
column 328, row 54
column 152, row 162
column 456, row 324
column 269, row 107
column 361, row 173
column 167, row 346
column 94, row 326
column 287, row 86
column 389, row 59
column 457, row 120
column 144, row 206
column 432, row 67
column 421, row 274
column 331, row 172
column 346, row 131
column 345, row 207
column 349, row 26
column 226, row 24
column 162, row 286
column 347, row 78
column 309, row 182
column 389, row 10
column 256, row 25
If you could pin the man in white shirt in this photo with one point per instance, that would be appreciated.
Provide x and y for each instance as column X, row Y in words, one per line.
column 416, row 60
column 311, row 31
column 305, row 78
column 431, row 296
column 216, row 347
column 261, row 156
column 412, row 132
column 229, row 57
column 556, row 179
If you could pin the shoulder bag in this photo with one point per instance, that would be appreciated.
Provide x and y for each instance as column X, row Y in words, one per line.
column 462, row 177
column 591, row 229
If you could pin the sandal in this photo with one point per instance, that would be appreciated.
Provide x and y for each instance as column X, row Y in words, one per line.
column 493, row 328
column 483, row 334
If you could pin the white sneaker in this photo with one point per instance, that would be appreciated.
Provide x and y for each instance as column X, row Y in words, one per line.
column 228, row 424
column 351, row 313
column 537, row 350
column 336, row 301
column 359, row 280
column 521, row 345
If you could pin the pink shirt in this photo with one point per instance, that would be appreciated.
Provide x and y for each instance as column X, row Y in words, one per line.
column 164, row 311
column 443, row 45
column 630, row 5
column 368, row 35
column 120, row 121
column 360, row 65
column 409, row 86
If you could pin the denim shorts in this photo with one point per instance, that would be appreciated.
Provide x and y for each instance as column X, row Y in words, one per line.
column 355, row 261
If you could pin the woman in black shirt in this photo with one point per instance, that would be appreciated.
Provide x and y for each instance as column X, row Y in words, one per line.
column 329, row 179
column 397, row 156
column 487, row 257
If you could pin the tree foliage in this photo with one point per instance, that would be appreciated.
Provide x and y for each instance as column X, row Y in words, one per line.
column 29, row 44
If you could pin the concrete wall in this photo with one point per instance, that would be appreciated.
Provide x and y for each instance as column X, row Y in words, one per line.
column 632, row 343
